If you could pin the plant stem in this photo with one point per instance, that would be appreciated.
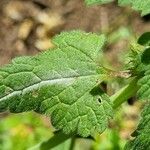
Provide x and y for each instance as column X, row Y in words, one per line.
column 73, row 139
column 57, row 139
column 125, row 93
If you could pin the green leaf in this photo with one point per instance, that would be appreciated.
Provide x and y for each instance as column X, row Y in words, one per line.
column 139, row 5
column 145, row 57
column 93, row 2
column 144, row 39
column 142, row 69
column 144, row 84
column 138, row 60
column 141, row 136
column 133, row 59
column 62, row 82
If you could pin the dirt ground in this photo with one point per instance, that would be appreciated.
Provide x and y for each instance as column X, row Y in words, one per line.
column 27, row 26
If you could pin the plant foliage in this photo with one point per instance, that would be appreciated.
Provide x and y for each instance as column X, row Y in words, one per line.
column 53, row 83
column 141, row 139
column 65, row 84
column 141, row 136
column 139, row 5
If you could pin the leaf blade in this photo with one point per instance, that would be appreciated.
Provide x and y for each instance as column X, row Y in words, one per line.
column 58, row 83
column 144, row 39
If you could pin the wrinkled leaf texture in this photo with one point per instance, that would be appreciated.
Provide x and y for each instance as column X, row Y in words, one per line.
column 62, row 83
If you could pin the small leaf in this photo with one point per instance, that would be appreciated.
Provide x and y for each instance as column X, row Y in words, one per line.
column 145, row 58
column 144, row 39
column 139, row 5
column 59, row 83
column 144, row 82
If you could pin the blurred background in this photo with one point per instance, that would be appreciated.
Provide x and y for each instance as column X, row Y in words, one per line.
column 27, row 27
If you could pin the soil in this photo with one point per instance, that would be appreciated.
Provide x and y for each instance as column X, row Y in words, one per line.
column 27, row 26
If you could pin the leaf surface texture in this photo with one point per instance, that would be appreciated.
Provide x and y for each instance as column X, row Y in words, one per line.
column 141, row 136
column 62, row 82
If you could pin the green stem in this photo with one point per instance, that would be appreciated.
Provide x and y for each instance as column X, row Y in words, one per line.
column 125, row 93
column 73, row 139
column 57, row 139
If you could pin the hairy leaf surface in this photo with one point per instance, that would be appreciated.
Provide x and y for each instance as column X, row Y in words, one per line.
column 144, row 70
column 144, row 84
column 61, row 82
column 141, row 136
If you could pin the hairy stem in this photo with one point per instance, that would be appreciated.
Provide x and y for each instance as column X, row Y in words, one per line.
column 125, row 93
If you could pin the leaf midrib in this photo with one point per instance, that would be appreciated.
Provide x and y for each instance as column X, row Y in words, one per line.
column 52, row 81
